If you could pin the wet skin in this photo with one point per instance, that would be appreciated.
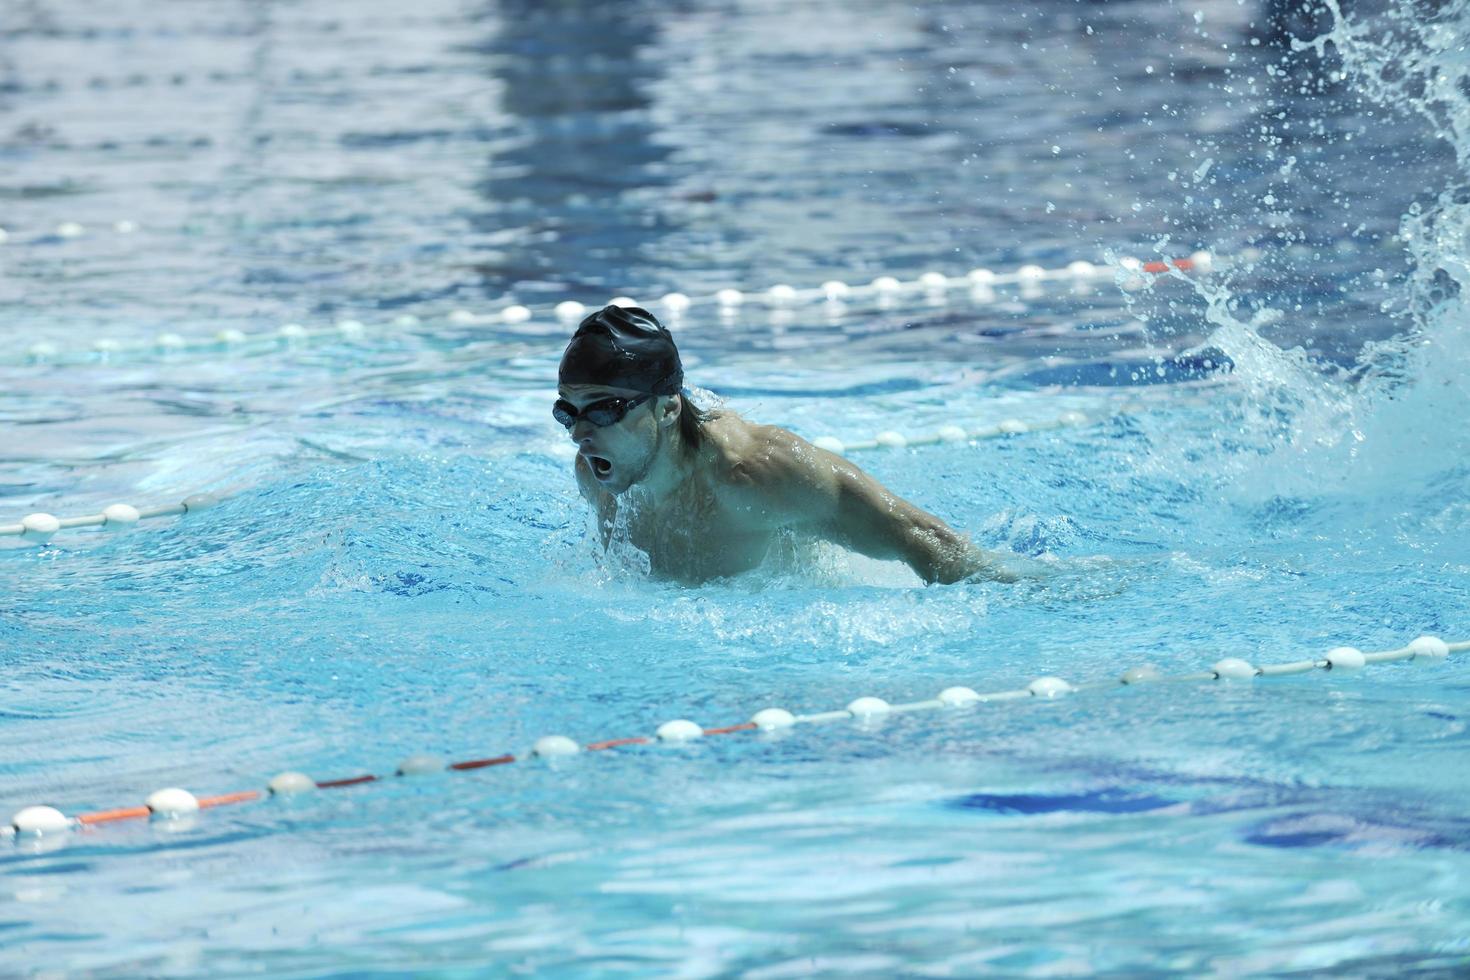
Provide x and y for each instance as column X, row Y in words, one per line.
column 716, row 510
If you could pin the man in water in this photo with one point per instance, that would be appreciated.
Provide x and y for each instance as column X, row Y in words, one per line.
column 704, row 494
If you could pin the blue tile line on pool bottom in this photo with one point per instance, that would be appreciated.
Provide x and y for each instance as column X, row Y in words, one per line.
column 1130, row 273
column 40, row 527
column 37, row 824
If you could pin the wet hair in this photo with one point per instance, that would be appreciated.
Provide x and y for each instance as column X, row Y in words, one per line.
column 691, row 423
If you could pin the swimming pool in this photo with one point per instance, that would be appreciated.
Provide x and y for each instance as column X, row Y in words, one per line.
column 401, row 565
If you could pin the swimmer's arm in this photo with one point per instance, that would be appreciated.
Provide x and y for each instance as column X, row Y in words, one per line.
column 807, row 485
column 872, row 520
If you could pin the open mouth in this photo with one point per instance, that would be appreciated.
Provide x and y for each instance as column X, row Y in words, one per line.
column 601, row 468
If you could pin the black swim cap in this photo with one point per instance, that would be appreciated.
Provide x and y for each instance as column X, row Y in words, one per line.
column 623, row 347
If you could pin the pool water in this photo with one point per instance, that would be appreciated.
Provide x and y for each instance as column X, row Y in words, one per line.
column 1274, row 464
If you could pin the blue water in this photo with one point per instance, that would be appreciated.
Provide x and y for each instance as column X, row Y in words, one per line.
column 403, row 564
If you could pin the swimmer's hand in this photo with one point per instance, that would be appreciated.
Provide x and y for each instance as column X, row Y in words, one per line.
column 1016, row 568
column 979, row 565
column 1092, row 576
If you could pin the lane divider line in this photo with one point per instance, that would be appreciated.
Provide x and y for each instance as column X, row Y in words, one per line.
column 173, row 803
column 40, row 527
column 933, row 287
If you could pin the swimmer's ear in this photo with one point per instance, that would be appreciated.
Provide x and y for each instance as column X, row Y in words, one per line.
column 669, row 409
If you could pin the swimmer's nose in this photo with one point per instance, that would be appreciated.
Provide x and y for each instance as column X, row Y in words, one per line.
column 582, row 433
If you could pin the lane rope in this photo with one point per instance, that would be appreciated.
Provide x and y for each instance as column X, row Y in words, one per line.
column 174, row 803
column 41, row 527
column 886, row 291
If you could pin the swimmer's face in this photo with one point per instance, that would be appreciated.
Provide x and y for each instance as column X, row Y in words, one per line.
column 620, row 454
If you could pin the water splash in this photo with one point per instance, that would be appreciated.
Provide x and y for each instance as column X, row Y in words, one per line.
column 1297, row 425
column 1412, row 59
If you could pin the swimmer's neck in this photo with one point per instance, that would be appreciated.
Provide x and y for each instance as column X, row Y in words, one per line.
column 672, row 468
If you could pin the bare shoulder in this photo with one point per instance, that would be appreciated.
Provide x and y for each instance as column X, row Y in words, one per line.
column 742, row 451
column 768, row 468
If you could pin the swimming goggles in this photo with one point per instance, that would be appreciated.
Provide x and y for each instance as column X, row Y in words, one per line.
column 608, row 411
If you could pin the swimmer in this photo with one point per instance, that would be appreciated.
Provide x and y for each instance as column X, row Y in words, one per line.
column 705, row 493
